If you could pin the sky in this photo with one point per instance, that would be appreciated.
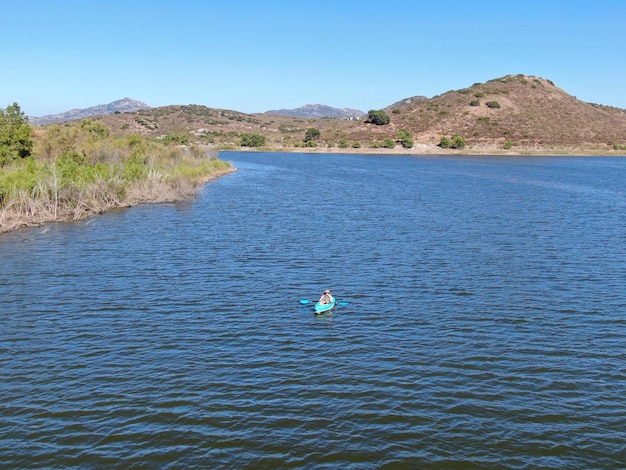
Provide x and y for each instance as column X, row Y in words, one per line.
column 254, row 56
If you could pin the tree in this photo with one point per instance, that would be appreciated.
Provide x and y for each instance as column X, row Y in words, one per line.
column 378, row 117
column 311, row 134
column 15, row 135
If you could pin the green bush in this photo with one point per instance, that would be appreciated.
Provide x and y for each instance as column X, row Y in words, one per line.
column 343, row 144
column 252, row 140
column 406, row 140
column 458, row 142
column 389, row 143
column 474, row 103
column 492, row 104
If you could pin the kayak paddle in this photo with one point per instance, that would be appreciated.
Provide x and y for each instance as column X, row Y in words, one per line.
column 307, row 301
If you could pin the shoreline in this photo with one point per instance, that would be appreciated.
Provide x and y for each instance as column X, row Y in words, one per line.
column 12, row 223
column 434, row 150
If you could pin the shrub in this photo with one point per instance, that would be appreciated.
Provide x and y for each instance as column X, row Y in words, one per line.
column 492, row 104
column 179, row 139
column 343, row 144
column 458, row 142
column 474, row 103
column 406, row 140
column 389, row 143
column 252, row 140
column 444, row 143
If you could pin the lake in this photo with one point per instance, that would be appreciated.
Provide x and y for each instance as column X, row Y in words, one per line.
column 485, row 325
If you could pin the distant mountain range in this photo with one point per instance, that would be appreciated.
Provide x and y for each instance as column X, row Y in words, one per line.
column 318, row 111
column 120, row 106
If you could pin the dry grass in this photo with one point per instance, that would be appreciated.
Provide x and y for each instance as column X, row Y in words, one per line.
column 82, row 170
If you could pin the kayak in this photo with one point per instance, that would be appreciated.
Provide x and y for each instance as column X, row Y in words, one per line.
column 321, row 308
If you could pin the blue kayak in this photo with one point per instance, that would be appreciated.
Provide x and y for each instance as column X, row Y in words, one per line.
column 321, row 308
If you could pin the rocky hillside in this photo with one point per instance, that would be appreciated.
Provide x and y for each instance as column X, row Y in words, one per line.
column 319, row 111
column 517, row 112
column 120, row 106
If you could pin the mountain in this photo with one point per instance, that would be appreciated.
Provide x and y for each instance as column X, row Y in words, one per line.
column 120, row 106
column 318, row 111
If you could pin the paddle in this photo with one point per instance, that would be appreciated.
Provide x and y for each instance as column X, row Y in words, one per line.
column 307, row 301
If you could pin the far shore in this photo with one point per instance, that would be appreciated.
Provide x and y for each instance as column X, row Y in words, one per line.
column 431, row 149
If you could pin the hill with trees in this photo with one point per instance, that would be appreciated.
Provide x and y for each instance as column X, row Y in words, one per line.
column 515, row 113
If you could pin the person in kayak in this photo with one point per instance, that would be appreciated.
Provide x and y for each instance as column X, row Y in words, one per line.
column 326, row 297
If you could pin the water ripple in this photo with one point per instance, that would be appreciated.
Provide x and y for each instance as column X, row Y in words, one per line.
column 484, row 328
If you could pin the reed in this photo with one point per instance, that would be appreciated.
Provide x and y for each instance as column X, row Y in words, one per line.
column 82, row 169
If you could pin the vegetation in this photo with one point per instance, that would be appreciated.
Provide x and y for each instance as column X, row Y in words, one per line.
column 387, row 143
column 252, row 140
column 378, row 117
column 311, row 134
column 80, row 169
column 457, row 142
column 15, row 135
column 616, row 146
column 405, row 138
column 492, row 104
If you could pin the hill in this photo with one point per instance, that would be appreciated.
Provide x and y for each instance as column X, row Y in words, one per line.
column 319, row 111
column 517, row 112
column 523, row 110
column 120, row 106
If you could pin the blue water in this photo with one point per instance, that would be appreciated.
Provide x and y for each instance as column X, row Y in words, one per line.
column 485, row 325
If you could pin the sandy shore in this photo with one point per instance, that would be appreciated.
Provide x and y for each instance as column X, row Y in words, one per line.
column 431, row 149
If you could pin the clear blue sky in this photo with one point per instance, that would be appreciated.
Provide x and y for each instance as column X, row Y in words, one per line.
column 252, row 55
